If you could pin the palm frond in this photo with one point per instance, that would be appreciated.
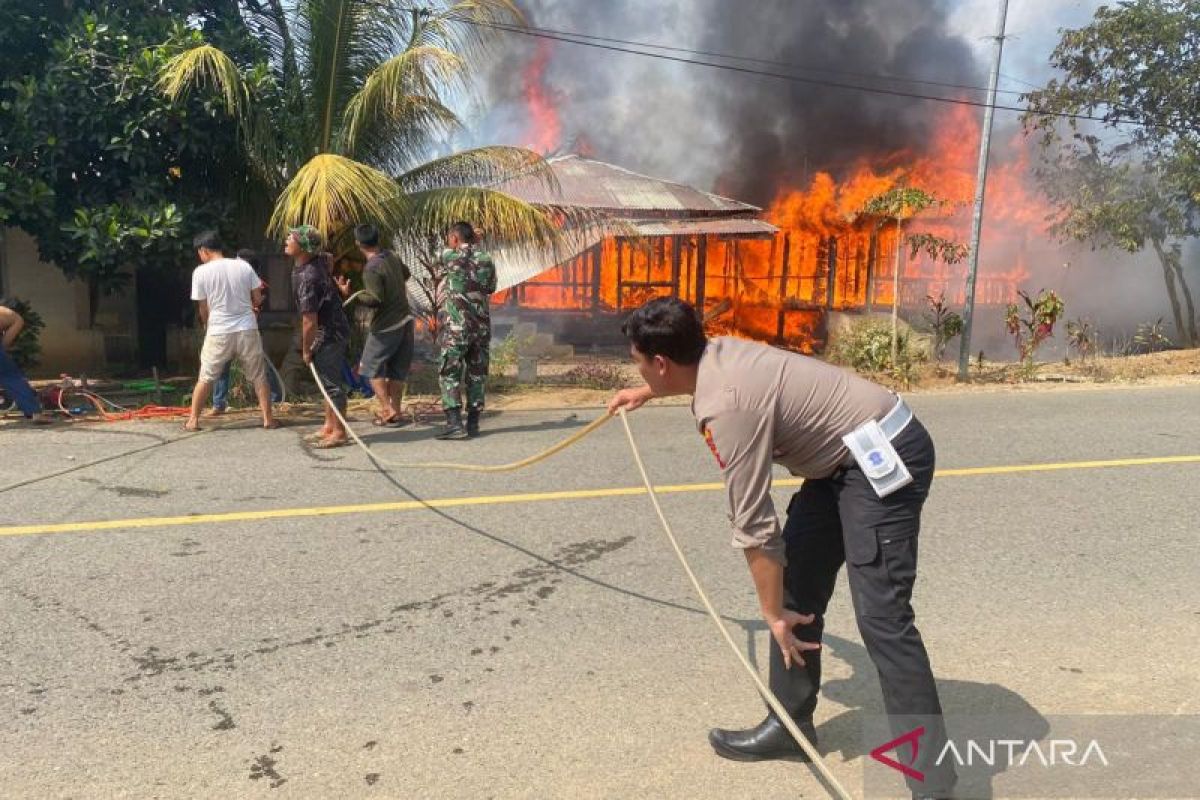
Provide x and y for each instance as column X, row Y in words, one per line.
column 270, row 24
column 482, row 166
column 332, row 192
column 399, row 100
column 200, row 66
column 342, row 40
column 468, row 27
column 502, row 217
column 400, row 138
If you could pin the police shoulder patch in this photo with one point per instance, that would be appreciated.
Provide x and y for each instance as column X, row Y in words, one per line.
column 712, row 445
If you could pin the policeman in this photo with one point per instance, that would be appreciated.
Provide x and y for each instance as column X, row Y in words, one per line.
column 464, row 329
column 867, row 464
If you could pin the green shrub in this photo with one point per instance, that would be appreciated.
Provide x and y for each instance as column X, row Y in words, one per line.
column 866, row 347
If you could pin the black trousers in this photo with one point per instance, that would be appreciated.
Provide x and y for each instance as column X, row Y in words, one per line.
column 839, row 520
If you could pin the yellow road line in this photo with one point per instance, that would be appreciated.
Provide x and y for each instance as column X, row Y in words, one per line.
column 527, row 497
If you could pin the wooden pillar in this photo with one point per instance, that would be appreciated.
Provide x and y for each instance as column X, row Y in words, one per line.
column 689, row 270
column 872, row 257
column 620, row 273
column 676, row 241
column 596, row 254
column 662, row 258
column 701, row 269
column 783, row 280
column 831, row 272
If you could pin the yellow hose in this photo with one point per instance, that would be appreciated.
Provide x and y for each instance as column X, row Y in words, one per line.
column 835, row 789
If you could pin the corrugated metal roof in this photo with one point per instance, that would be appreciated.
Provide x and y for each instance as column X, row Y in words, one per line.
column 585, row 183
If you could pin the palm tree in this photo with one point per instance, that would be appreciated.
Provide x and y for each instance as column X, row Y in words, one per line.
column 347, row 99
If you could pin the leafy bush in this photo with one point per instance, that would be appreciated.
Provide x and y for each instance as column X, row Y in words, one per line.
column 505, row 353
column 26, row 348
column 1150, row 338
column 1033, row 324
column 943, row 323
column 1083, row 338
column 866, row 347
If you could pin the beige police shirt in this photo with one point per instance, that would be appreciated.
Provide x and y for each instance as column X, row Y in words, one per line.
column 756, row 405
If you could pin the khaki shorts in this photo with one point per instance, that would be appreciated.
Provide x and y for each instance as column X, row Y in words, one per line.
column 219, row 349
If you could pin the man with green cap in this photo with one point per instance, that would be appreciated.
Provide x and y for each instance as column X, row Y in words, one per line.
column 324, row 331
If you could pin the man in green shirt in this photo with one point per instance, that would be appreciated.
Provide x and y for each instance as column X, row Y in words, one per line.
column 388, row 352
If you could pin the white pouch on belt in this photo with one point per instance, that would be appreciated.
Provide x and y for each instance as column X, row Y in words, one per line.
column 877, row 458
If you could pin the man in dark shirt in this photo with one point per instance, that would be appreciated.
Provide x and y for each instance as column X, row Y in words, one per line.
column 388, row 352
column 324, row 328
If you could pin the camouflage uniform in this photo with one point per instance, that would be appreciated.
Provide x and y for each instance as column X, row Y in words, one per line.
column 464, row 324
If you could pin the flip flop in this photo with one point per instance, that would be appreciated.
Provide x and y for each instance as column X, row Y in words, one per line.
column 390, row 422
column 274, row 425
column 329, row 444
column 314, row 437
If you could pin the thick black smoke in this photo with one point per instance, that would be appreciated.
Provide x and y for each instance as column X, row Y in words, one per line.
column 747, row 135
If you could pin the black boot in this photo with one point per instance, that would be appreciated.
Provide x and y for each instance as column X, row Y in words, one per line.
column 766, row 741
column 454, row 426
column 472, row 422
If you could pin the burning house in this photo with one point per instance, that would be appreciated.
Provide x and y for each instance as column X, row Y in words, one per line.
column 776, row 279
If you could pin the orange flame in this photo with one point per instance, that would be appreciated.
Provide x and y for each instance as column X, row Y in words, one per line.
column 827, row 254
column 544, row 133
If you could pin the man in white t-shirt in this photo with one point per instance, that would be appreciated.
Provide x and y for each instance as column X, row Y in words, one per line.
column 227, row 290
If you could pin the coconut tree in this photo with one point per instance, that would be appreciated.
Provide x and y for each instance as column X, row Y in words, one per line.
column 345, row 102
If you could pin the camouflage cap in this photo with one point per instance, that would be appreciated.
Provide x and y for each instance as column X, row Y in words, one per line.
column 308, row 237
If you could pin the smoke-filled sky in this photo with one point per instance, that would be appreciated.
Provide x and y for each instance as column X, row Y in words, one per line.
column 747, row 134
column 750, row 136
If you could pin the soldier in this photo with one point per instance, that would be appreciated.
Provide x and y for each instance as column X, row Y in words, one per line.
column 464, row 328
column 867, row 464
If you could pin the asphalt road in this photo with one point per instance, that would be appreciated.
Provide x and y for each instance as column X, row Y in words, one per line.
column 545, row 647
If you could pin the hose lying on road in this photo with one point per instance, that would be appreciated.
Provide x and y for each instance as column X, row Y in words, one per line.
column 515, row 465
column 835, row 789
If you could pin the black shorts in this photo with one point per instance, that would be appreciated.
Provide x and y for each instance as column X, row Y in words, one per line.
column 388, row 355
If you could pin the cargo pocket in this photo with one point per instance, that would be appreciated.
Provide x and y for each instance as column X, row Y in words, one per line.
column 881, row 563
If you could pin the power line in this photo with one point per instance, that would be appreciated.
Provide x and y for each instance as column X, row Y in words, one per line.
column 814, row 81
column 752, row 60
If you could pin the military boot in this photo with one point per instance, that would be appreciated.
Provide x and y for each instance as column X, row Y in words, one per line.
column 472, row 422
column 454, row 426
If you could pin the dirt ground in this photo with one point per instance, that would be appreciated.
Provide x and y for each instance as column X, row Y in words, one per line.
column 559, row 383
column 1172, row 368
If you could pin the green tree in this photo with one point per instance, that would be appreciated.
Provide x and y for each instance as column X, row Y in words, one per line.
column 1136, row 184
column 95, row 164
column 899, row 205
column 350, row 100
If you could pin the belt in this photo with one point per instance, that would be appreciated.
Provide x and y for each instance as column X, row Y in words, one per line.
column 893, row 424
column 896, row 420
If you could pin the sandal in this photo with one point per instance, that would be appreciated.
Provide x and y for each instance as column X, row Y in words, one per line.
column 314, row 437
column 329, row 444
column 390, row 422
column 273, row 426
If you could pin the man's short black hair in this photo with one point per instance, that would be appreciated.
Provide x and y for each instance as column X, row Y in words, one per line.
column 465, row 231
column 208, row 240
column 249, row 256
column 367, row 235
column 667, row 326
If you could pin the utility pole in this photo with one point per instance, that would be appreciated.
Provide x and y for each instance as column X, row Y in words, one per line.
column 964, row 353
